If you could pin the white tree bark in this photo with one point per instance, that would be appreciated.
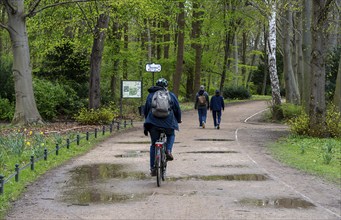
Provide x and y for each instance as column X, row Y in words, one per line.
column 26, row 111
column 276, row 96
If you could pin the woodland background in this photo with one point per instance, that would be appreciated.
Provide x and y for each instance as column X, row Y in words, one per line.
column 65, row 58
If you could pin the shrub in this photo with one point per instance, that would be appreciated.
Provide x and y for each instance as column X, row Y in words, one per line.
column 6, row 110
column 104, row 115
column 291, row 111
column 236, row 93
column 49, row 97
column 300, row 124
column 333, row 120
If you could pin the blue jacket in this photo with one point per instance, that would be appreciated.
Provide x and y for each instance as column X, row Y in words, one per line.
column 217, row 103
column 173, row 118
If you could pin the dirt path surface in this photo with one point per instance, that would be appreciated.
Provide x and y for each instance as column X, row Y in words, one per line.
column 216, row 174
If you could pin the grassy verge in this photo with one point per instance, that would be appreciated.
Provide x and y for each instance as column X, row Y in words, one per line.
column 13, row 190
column 321, row 157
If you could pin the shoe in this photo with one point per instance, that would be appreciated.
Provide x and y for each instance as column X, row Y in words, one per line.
column 169, row 156
column 218, row 126
column 153, row 172
column 203, row 124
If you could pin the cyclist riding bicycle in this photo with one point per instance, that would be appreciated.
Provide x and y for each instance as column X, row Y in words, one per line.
column 169, row 122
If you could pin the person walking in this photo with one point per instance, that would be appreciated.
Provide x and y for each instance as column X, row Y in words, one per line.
column 156, row 117
column 202, row 104
column 217, row 104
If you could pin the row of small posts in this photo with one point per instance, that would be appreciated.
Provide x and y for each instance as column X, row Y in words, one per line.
column 17, row 169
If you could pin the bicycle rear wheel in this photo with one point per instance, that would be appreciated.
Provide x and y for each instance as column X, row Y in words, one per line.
column 158, row 167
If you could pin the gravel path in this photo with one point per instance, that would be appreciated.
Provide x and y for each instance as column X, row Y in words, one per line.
column 217, row 174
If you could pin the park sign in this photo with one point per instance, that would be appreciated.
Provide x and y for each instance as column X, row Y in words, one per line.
column 153, row 67
column 131, row 89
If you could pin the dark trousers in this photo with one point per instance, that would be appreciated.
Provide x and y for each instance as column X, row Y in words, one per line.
column 216, row 117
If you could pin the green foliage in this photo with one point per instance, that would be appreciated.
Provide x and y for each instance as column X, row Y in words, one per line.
column 319, row 156
column 67, row 65
column 300, row 124
column 333, row 120
column 291, row 111
column 6, row 79
column 103, row 115
column 6, row 110
column 332, row 65
column 236, row 93
column 49, row 96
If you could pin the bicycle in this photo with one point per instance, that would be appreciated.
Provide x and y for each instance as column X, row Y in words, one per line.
column 160, row 157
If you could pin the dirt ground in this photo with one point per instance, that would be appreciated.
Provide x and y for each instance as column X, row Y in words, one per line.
column 216, row 174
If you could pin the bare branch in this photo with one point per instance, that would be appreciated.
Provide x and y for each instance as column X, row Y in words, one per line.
column 85, row 17
column 32, row 13
column 10, row 6
column 35, row 5
column 3, row 26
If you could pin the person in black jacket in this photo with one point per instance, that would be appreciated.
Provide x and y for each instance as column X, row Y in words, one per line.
column 217, row 104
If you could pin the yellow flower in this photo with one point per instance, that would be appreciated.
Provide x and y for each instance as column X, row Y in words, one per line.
column 41, row 133
column 25, row 129
column 31, row 132
column 42, row 144
column 28, row 143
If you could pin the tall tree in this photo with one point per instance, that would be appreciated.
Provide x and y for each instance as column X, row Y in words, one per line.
column 26, row 111
column 196, row 44
column 292, row 92
column 95, row 61
column 317, row 104
column 306, row 48
column 180, row 50
column 276, row 95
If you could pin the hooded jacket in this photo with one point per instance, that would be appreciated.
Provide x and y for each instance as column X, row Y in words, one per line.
column 172, row 119
column 196, row 105
column 217, row 102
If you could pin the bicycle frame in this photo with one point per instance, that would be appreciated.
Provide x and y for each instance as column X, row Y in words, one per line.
column 160, row 158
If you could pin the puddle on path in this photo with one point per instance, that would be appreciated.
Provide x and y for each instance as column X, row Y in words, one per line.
column 231, row 166
column 288, row 203
column 235, row 177
column 87, row 196
column 212, row 139
column 213, row 152
column 132, row 154
column 97, row 172
column 86, row 184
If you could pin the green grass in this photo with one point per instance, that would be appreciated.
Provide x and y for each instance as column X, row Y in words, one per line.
column 13, row 190
column 311, row 155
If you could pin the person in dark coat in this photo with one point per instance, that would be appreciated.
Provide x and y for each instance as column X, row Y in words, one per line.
column 152, row 123
column 217, row 104
column 202, row 106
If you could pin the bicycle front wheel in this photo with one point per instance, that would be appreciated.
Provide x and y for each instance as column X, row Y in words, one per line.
column 158, row 167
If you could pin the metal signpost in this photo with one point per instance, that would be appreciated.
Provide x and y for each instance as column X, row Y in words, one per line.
column 153, row 68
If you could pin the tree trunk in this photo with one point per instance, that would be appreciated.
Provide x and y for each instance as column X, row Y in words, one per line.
column 196, row 45
column 180, row 52
column 292, row 92
column 115, row 76
column 299, row 54
column 306, row 48
column 337, row 94
column 95, row 61
column 276, row 95
column 166, row 39
column 317, row 105
column 26, row 111
column 236, row 59
column 125, row 46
